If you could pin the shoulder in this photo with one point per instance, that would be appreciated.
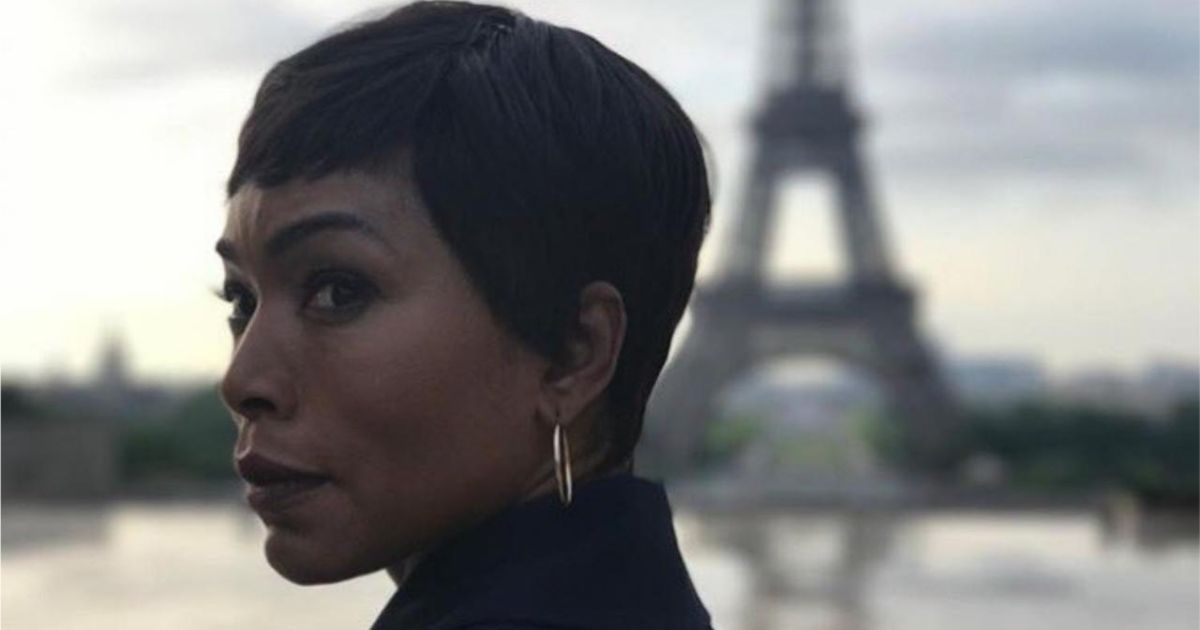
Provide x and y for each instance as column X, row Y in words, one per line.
column 535, row 625
column 507, row 625
column 609, row 562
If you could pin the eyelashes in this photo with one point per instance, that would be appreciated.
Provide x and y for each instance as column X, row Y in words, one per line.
column 329, row 296
column 338, row 294
column 237, row 295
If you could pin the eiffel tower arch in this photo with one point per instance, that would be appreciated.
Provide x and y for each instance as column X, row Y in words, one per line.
column 806, row 124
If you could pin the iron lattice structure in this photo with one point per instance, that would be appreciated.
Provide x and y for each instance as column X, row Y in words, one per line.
column 806, row 124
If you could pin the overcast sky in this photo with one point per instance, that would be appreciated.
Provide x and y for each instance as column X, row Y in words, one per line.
column 1036, row 163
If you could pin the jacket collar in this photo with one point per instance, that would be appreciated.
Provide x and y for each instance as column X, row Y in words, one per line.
column 610, row 559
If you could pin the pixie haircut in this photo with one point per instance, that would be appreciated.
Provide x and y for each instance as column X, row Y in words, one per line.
column 546, row 161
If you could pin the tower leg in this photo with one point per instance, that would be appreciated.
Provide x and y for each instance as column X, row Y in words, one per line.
column 686, row 401
column 919, row 398
column 862, row 232
column 744, row 258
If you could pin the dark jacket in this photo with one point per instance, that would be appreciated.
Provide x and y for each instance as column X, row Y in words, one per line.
column 610, row 560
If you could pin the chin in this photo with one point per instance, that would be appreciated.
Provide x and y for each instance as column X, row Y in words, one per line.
column 304, row 562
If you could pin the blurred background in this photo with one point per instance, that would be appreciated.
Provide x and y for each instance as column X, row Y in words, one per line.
column 946, row 336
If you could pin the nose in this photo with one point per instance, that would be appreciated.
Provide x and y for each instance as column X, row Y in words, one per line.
column 258, row 382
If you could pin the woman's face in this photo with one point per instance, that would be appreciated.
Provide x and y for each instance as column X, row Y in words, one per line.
column 365, row 356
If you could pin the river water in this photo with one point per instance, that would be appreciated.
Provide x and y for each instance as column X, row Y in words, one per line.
column 190, row 565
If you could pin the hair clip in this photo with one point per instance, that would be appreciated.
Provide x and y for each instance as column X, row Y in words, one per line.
column 491, row 28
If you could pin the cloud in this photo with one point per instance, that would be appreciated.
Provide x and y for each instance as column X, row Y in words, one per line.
column 135, row 42
column 1143, row 40
column 1074, row 89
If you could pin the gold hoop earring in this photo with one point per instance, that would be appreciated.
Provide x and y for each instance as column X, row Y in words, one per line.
column 562, row 464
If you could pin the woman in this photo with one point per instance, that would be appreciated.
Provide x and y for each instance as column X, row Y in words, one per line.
column 457, row 246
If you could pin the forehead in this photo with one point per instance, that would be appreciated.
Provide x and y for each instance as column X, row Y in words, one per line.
column 254, row 213
column 389, row 207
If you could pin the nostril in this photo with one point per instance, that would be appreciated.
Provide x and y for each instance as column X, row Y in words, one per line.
column 255, row 406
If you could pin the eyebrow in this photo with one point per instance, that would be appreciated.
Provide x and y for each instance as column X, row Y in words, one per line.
column 291, row 235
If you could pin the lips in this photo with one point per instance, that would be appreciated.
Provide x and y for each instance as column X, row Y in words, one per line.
column 274, row 486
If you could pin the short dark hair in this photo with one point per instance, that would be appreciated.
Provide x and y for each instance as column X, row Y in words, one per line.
column 546, row 161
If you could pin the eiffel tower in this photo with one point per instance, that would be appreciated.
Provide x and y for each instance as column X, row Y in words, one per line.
column 806, row 124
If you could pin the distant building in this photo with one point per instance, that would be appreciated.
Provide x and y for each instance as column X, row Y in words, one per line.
column 61, row 439
column 113, row 393
column 996, row 380
column 52, row 453
column 1154, row 392
column 72, row 458
column 113, row 371
column 1167, row 383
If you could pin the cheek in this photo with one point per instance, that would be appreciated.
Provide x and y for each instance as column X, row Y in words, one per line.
column 428, row 391
column 431, row 426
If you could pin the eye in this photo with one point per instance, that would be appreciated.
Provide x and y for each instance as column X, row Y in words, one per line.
column 242, row 301
column 338, row 293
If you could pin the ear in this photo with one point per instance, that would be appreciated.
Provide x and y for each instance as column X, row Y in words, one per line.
column 593, row 347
